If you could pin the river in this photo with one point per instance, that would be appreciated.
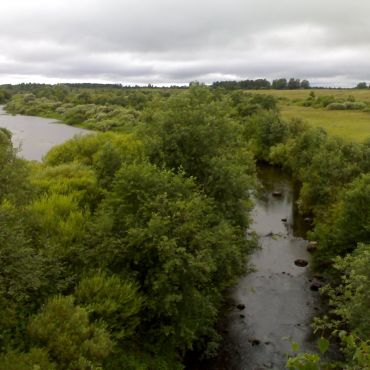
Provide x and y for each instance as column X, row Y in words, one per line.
column 275, row 301
column 35, row 136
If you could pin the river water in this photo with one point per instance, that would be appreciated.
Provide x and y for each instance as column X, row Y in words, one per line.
column 277, row 297
column 35, row 136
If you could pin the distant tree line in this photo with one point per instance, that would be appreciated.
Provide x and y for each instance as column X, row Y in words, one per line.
column 263, row 84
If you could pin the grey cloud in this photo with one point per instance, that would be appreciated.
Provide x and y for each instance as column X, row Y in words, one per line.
column 176, row 41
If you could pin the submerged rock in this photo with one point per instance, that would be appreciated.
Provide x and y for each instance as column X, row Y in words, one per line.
column 315, row 286
column 254, row 341
column 301, row 263
column 277, row 193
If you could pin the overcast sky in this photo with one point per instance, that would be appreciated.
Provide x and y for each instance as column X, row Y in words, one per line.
column 173, row 41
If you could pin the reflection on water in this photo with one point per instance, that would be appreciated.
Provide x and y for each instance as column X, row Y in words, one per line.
column 35, row 136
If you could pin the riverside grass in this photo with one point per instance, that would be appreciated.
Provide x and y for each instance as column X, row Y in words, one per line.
column 348, row 124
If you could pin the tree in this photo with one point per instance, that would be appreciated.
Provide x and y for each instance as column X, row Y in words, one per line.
column 195, row 133
column 280, row 84
column 305, row 84
column 156, row 228
column 361, row 85
column 348, row 221
column 294, row 84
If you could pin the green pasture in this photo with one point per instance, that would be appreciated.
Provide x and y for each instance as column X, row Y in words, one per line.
column 350, row 125
column 294, row 95
column 347, row 124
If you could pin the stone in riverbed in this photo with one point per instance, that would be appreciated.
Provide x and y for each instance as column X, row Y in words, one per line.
column 254, row 341
column 276, row 193
column 240, row 306
column 300, row 263
column 311, row 247
column 284, row 219
column 315, row 286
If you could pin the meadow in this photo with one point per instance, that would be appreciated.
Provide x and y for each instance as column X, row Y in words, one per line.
column 349, row 125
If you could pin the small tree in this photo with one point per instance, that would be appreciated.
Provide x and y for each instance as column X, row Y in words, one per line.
column 305, row 84
column 362, row 85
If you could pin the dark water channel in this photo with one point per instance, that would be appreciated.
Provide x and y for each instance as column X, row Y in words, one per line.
column 35, row 136
column 277, row 297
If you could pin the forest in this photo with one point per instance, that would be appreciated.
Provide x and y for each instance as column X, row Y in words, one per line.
column 117, row 251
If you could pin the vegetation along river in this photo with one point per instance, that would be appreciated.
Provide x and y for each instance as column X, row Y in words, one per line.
column 270, row 304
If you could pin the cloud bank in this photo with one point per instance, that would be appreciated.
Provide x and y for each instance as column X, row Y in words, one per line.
column 172, row 41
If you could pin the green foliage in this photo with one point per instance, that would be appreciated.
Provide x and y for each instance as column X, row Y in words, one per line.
column 113, row 300
column 64, row 330
column 330, row 102
column 348, row 221
column 310, row 361
column 302, row 154
column 103, row 152
column 72, row 178
column 157, row 228
column 347, row 105
column 14, row 184
column 350, row 299
column 30, row 105
column 194, row 132
column 266, row 131
column 349, row 302
column 22, row 274
column 361, row 85
column 35, row 359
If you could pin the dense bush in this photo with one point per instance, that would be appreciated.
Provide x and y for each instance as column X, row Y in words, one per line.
column 334, row 103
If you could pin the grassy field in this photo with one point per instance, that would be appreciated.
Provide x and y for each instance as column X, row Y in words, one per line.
column 292, row 95
column 350, row 125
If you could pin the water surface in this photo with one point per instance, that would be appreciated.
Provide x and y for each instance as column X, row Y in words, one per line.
column 277, row 297
column 35, row 136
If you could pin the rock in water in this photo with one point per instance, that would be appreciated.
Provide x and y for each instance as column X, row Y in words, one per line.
column 276, row 193
column 240, row 306
column 254, row 341
column 300, row 262
column 315, row 286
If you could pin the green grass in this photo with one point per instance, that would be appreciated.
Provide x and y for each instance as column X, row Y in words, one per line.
column 291, row 95
column 349, row 125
